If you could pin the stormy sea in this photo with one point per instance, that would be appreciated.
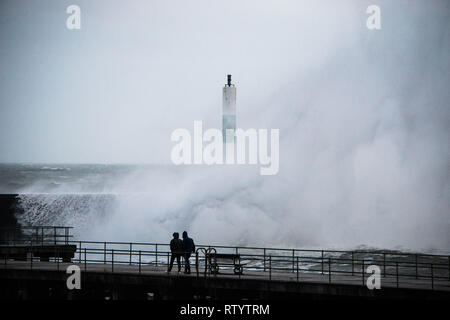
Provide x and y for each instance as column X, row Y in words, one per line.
column 146, row 203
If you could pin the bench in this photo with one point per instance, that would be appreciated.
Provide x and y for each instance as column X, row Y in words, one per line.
column 226, row 259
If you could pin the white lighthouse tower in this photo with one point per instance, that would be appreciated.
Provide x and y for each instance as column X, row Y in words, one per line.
column 229, row 112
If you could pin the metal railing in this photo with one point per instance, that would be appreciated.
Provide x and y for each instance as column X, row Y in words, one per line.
column 35, row 235
column 399, row 269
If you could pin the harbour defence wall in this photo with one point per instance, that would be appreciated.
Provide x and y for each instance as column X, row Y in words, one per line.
column 8, row 208
column 46, row 284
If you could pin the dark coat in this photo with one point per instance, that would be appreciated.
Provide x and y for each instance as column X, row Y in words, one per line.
column 188, row 245
column 176, row 246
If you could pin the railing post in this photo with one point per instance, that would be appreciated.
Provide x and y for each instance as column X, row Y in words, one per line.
column 322, row 261
column 293, row 260
column 416, row 267
column 329, row 270
column 31, row 255
column 197, row 265
column 85, row 253
column 396, row 271
column 270, row 267
column 79, row 255
column 265, row 261
column 54, row 234
column 156, row 260
column 432, row 278
column 168, row 254
column 112, row 260
column 353, row 265
column 363, row 272
column 384, row 264
column 139, row 261
column 131, row 249
column 297, row 268
column 104, row 252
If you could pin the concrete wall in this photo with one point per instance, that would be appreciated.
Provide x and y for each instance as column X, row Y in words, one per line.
column 34, row 284
column 7, row 210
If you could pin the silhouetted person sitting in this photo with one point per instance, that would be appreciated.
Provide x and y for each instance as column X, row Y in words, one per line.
column 189, row 248
column 177, row 250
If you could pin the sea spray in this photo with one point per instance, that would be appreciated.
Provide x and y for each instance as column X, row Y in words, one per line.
column 83, row 212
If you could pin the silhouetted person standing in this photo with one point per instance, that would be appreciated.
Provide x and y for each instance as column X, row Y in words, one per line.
column 177, row 249
column 189, row 248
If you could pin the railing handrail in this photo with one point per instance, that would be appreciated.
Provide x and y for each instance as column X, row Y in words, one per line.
column 274, row 249
column 283, row 258
column 296, row 250
column 388, row 256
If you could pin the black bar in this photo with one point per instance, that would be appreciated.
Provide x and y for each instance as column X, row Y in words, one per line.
column 432, row 278
column 322, row 261
column 293, row 260
column 265, row 262
column 329, row 270
column 416, row 268
column 353, row 265
column 396, row 268
column 131, row 246
column 363, row 272
column 270, row 267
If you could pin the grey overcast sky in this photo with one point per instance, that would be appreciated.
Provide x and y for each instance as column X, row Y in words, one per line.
column 113, row 91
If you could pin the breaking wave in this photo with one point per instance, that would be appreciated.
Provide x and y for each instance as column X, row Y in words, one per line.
column 84, row 212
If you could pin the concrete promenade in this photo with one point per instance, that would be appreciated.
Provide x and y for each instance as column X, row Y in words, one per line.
column 27, row 280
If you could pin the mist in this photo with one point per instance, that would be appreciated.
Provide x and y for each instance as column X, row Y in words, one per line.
column 363, row 115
